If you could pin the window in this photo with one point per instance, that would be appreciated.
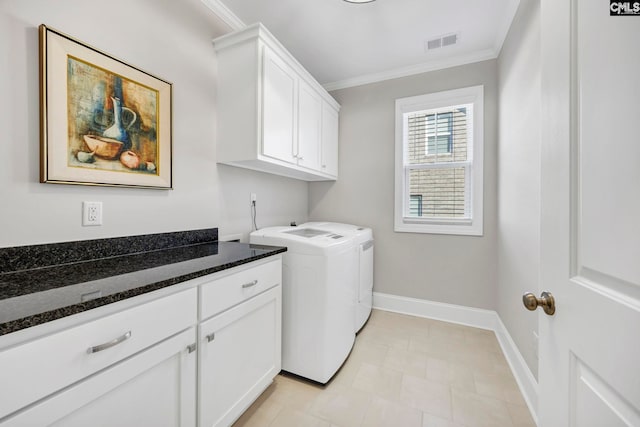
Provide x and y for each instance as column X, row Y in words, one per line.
column 439, row 131
column 415, row 205
column 439, row 153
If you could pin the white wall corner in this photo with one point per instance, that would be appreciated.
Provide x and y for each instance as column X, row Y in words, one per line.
column 510, row 12
column 474, row 317
column 224, row 13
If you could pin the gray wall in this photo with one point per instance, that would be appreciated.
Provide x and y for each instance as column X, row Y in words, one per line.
column 451, row 269
column 171, row 39
column 519, row 177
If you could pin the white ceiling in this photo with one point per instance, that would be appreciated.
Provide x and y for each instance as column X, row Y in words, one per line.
column 343, row 44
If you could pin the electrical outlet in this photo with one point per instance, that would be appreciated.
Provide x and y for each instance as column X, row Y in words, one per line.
column 254, row 197
column 91, row 213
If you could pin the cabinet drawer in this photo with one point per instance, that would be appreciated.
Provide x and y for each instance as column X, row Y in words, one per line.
column 224, row 293
column 36, row 369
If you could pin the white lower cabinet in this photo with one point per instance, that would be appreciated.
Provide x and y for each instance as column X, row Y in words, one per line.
column 239, row 355
column 153, row 388
column 153, row 364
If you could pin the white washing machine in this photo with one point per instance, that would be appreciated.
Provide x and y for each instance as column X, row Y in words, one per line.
column 363, row 238
column 318, row 299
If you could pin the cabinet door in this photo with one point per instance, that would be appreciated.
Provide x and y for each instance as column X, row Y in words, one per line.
column 329, row 161
column 278, row 108
column 309, row 127
column 239, row 357
column 153, row 388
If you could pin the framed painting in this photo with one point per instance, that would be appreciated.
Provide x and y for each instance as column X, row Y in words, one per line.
column 102, row 121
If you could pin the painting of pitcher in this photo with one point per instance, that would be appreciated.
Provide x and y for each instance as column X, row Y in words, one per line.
column 111, row 120
column 117, row 118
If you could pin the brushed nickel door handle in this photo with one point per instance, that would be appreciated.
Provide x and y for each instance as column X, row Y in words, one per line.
column 250, row 284
column 109, row 344
column 546, row 301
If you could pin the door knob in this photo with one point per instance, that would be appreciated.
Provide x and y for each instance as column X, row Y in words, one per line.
column 546, row 301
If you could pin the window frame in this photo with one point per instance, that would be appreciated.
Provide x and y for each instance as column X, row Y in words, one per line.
column 472, row 226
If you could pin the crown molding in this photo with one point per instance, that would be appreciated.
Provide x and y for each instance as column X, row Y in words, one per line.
column 413, row 69
column 235, row 23
column 224, row 13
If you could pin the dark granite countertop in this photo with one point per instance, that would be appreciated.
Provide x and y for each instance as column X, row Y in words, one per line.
column 42, row 283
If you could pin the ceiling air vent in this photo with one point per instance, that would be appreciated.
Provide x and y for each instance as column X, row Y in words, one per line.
column 449, row 40
column 434, row 44
column 441, row 41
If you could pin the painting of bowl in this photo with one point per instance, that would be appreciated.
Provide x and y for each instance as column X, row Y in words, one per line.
column 130, row 159
column 107, row 148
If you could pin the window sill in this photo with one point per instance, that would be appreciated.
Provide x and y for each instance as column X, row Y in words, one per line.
column 467, row 228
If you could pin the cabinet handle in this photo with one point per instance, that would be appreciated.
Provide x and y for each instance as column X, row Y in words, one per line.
column 210, row 337
column 250, row 284
column 109, row 344
column 300, row 158
column 192, row 347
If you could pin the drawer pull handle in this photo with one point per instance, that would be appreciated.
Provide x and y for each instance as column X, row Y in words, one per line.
column 109, row 344
column 192, row 347
column 250, row 284
column 211, row 337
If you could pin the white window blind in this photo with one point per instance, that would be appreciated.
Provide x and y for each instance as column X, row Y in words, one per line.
column 439, row 162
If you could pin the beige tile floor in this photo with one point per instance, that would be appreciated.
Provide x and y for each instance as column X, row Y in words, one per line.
column 404, row 371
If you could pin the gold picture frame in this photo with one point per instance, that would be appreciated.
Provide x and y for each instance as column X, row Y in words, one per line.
column 102, row 121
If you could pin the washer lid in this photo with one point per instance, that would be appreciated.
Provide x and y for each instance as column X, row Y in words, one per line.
column 307, row 232
column 360, row 234
column 302, row 239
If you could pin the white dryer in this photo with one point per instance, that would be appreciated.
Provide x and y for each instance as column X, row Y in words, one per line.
column 318, row 300
column 363, row 239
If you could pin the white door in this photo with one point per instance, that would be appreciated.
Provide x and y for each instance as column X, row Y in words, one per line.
column 309, row 127
column 590, row 231
column 240, row 354
column 279, row 114
column 329, row 161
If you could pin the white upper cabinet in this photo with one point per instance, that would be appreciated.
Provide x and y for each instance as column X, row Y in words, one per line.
column 272, row 114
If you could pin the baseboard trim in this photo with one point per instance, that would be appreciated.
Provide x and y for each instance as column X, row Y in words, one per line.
column 477, row 318
column 525, row 379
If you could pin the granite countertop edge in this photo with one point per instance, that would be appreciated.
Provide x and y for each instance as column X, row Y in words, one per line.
column 59, row 313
